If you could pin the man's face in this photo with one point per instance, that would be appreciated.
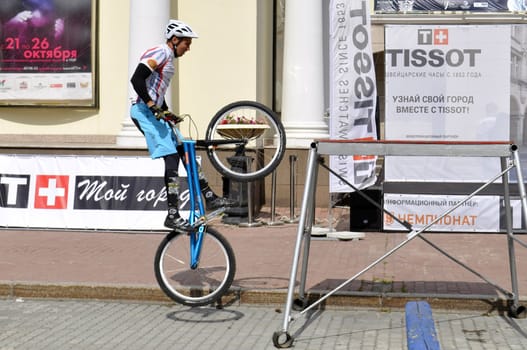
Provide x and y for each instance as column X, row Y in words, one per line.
column 182, row 45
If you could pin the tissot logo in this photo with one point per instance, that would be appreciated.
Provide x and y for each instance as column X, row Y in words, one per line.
column 433, row 51
column 14, row 191
column 440, row 36
column 432, row 37
column 51, row 192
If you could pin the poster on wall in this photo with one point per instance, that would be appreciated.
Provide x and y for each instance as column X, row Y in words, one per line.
column 446, row 84
column 353, row 91
column 47, row 53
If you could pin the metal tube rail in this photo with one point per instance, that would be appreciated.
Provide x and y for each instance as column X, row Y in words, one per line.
column 307, row 204
column 523, row 196
column 272, row 221
column 250, row 222
column 292, row 189
column 417, row 148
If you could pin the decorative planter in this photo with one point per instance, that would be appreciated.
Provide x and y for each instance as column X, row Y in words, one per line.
column 241, row 131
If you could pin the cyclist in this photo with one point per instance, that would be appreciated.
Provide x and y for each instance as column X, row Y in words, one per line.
column 150, row 82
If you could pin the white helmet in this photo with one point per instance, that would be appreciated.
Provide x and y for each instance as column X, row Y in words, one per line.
column 179, row 29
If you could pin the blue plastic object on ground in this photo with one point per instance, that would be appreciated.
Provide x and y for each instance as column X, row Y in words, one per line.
column 420, row 329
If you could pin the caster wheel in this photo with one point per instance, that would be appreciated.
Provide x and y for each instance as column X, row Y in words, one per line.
column 282, row 340
column 518, row 312
column 299, row 304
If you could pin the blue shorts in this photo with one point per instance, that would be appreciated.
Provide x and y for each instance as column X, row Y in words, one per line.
column 160, row 138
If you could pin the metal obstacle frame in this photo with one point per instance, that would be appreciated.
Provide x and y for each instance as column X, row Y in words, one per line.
column 509, row 157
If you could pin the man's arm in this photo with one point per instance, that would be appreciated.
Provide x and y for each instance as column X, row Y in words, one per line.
column 142, row 72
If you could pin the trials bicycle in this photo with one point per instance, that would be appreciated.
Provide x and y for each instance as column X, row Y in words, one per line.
column 244, row 141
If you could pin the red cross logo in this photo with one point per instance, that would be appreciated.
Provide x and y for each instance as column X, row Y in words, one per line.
column 440, row 36
column 51, row 192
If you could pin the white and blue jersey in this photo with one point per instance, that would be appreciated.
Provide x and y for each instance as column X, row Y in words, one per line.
column 157, row 84
column 159, row 136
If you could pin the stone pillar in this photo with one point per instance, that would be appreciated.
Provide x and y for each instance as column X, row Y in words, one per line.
column 147, row 29
column 303, row 76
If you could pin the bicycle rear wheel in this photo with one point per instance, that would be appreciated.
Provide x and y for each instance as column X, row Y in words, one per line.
column 259, row 127
column 203, row 285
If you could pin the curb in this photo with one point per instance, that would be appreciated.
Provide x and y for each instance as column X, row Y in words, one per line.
column 485, row 304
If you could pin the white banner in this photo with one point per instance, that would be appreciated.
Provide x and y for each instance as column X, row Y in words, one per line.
column 447, row 83
column 353, row 92
column 479, row 214
column 84, row 192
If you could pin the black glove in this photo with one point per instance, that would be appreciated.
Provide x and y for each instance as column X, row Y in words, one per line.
column 156, row 111
column 167, row 115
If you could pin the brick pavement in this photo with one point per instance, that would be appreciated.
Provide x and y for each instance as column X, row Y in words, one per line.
column 120, row 265
column 82, row 324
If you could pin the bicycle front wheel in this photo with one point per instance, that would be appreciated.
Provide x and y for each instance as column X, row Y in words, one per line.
column 200, row 286
column 264, row 137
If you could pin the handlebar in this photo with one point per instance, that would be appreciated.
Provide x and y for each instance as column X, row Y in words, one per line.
column 173, row 119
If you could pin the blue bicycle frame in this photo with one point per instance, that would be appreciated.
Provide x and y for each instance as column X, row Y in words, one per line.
column 197, row 209
column 197, row 217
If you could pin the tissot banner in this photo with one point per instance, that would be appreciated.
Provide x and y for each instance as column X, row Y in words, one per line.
column 83, row 192
column 353, row 92
column 447, row 84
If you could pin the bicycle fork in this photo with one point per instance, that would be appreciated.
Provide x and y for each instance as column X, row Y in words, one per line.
column 196, row 242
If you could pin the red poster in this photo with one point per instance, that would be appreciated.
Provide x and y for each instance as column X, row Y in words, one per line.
column 46, row 36
column 46, row 51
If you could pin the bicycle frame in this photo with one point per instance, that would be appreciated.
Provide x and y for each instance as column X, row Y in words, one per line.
column 197, row 217
column 197, row 209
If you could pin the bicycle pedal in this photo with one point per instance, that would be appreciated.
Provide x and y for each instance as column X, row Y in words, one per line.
column 217, row 212
column 184, row 230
